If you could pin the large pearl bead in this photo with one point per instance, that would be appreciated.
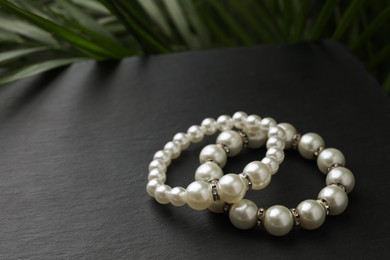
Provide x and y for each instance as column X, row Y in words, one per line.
column 152, row 186
column 198, row 195
column 231, row 188
column 336, row 198
column 157, row 174
column 162, row 194
column 177, row 196
column 213, row 152
column 343, row 176
column 266, row 123
column 290, row 133
column 209, row 126
column 243, row 214
column 232, row 140
column 272, row 164
column 256, row 140
column 278, row 220
column 253, row 124
column 182, row 139
column 195, row 134
column 259, row 174
column 224, row 122
column 164, row 156
column 329, row 157
column 239, row 119
column 311, row 214
column 208, row 171
column 174, row 148
column 308, row 144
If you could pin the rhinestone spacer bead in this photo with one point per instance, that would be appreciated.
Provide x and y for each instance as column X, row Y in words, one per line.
column 335, row 166
column 225, row 148
column 295, row 214
column 339, row 185
column 244, row 137
column 247, row 179
column 295, row 141
column 318, row 151
column 325, row 204
column 214, row 190
column 260, row 217
column 226, row 207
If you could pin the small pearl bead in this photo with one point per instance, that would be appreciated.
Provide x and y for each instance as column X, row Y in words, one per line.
column 195, row 134
column 266, row 123
column 253, row 124
column 157, row 174
column 275, row 141
column 152, row 185
column 276, row 131
column 164, row 156
column 231, row 188
column 208, row 171
column 309, row 143
column 162, row 194
column 232, row 140
column 157, row 164
column 256, row 140
column 213, row 152
column 177, row 196
column 290, row 132
column 209, row 126
column 276, row 153
column 199, row 195
column 311, row 214
column 217, row 206
column 239, row 119
column 173, row 148
column 243, row 214
column 259, row 174
column 182, row 139
column 278, row 220
column 343, row 176
column 272, row 164
column 224, row 123
column 336, row 198
column 328, row 157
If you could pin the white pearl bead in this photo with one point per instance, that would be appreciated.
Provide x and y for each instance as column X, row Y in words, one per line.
column 232, row 140
column 152, row 185
column 243, row 214
column 231, row 188
column 259, row 174
column 224, row 123
column 343, row 176
column 272, row 164
column 217, row 206
column 275, row 153
column 177, row 196
column 173, row 148
column 266, row 123
column 157, row 164
column 209, row 126
column 182, row 139
column 275, row 141
column 309, row 143
column 164, row 156
column 199, row 195
column 195, row 134
column 208, row 171
column 276, row 131
column 213, row 152
column 157, row 174
column 311, row 214
column 336, row 198
column 253, row 124
column 239, row 119
column 278, row 220
column 162, row 194
column 256, row 140
column 328, row 157
column 290, row 133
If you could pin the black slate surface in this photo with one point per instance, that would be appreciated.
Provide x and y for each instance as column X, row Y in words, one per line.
column 75, row 145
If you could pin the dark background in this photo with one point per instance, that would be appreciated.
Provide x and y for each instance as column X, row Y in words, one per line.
column 75, row 145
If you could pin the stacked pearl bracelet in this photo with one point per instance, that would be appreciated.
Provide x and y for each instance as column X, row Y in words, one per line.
column 224, row 193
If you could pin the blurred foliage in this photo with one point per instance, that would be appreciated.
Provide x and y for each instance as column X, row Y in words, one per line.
column 36, row 36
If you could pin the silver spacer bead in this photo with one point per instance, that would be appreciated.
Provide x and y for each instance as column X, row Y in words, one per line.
column 335, row 166
column 213, row 161
column 325, row 204
column 244, row 137
column 224, row 147
column 247, row 179
column 297, row 220
column 260, row 217
column 295, row 141
column 339, row 185
column 226, row 207
column 214, row 190
column 318, row 151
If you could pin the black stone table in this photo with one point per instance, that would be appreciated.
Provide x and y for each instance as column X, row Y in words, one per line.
column 75, row 145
